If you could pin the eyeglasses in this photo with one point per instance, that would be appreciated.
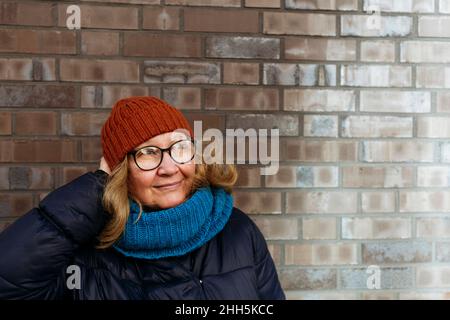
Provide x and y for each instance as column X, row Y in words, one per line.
column 150, row 157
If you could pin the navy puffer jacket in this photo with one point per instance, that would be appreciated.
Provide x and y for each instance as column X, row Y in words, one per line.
column 37, row 250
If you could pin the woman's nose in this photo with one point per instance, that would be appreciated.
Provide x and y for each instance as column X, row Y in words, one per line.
column 168, row 166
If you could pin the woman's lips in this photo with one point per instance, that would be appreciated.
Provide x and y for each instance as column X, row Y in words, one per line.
column 169, row 186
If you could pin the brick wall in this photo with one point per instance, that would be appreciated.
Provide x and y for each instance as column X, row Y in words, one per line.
column 363, row 113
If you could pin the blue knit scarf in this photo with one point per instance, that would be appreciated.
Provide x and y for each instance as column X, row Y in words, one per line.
column 178, row 230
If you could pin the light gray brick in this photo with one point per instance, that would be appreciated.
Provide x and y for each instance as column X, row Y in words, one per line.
column 445, row 152
column 395, row 101
column 397, row 151
column 443, row 251
column 373, row 127
column 318, row 177
column 375, row 76
column 391, row 278
column 376, row 228
column 313, row 100
column 433, row 276
column 425, row 51
column 320, row 126
column 444, row 6
column 342, row 5
column 434, row 26
column 277, row 229
column 433, row 77
column 390, row 26
column 307, row 279
column 243, row 47
column 423, row 6
column 301, row 74
column 433, row 176
column 287, row 124
column 181, row 72
column 396, row 252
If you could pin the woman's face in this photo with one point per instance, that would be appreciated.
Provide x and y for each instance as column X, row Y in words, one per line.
column 155, row 188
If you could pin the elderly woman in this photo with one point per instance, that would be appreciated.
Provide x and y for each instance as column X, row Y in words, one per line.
column 151, row 223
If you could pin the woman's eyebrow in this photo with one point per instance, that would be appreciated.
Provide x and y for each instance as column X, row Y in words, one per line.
column 154, row 145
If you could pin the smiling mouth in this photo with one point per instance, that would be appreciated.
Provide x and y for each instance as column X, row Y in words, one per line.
column 169, row 186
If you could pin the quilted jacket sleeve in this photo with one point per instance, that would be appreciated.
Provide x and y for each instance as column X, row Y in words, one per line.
column 36, row 249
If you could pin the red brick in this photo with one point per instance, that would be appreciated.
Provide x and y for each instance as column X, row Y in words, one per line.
column 4, row 225
column 21, row 69
column 71, row 173
column 159, row 45
column 4, row 178
column 147, row 2
column 248, row 177
column 91, row 150
column 44, row 69
column 16, row 69
column 262, row 3
column 6, row 150
column 209, row 121
column 37, row 41
column 240, row 73
column 99, row 43
column 104, row 17
column 106, row 96
column 5, row 123
column 320, row 49
column 258, row 202
column 218, row 3
column 161, row 18
column 241, row 99
column 212, row 20
column 183, row 97
column 82, row 123
column 35, row 123
column 295, row 149
column 14, row 205
column 99, row 70
column 45, row 151
column 26, row 14
column 299, row 23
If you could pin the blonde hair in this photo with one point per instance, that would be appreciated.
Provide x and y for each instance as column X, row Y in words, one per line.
column 116, row 193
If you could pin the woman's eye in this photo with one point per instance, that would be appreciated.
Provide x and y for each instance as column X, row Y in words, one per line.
column 150, row 152
column 181, row 146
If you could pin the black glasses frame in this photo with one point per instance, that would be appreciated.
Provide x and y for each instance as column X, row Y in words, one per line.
column 169, row 150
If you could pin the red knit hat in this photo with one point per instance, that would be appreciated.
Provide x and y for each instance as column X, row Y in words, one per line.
column 133, row 121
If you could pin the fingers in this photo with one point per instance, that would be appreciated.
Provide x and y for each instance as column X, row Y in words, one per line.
column 104, row 165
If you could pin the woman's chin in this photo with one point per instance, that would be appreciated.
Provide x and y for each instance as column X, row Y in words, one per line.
column 171, row 199
column 170, row 203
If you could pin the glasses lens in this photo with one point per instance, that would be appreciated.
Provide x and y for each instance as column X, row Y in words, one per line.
column 148, row 158
column 183, row 151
